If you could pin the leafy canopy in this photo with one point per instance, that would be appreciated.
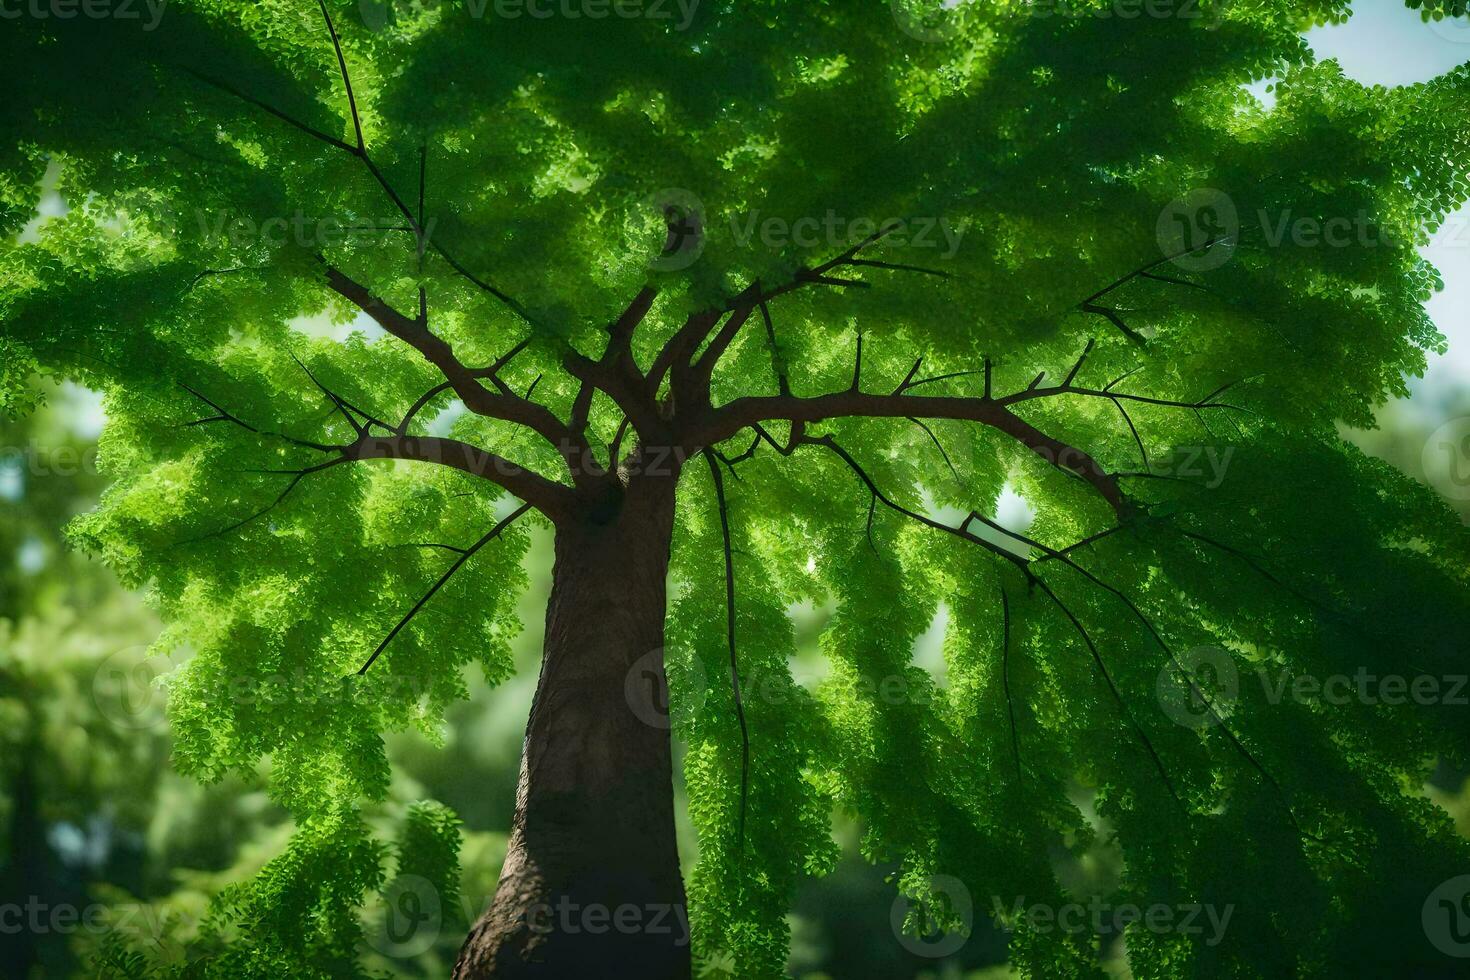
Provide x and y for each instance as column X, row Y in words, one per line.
column 496, row 190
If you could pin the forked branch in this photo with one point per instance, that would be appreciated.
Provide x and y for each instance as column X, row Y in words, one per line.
column 553, row 499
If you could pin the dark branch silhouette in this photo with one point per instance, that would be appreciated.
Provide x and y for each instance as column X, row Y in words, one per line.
column 719, row 485
column 465, row 555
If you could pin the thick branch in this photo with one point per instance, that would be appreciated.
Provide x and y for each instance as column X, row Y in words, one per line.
column 678, row 353
column 552, row 499
column 503, row 404
column 724, row 422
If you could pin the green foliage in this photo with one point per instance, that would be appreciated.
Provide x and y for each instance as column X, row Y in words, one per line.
column 1049, row 147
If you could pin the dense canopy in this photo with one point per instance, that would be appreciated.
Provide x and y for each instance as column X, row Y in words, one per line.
column 991, row 249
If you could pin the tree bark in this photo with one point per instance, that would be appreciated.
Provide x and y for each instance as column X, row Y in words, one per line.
column 591, row 883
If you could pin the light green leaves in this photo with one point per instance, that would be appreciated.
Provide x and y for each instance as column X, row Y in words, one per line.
column 1029, row 188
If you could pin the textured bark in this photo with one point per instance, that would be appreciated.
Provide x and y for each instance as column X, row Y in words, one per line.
column 591, row 884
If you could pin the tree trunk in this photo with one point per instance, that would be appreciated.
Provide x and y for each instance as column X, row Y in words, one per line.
column 591, row 885
column 26, row 872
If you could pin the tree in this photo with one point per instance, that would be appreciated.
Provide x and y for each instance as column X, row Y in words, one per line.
column 62, row 757
column 772, row 301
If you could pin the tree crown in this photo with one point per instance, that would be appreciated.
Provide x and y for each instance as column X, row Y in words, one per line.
column 878, row 263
